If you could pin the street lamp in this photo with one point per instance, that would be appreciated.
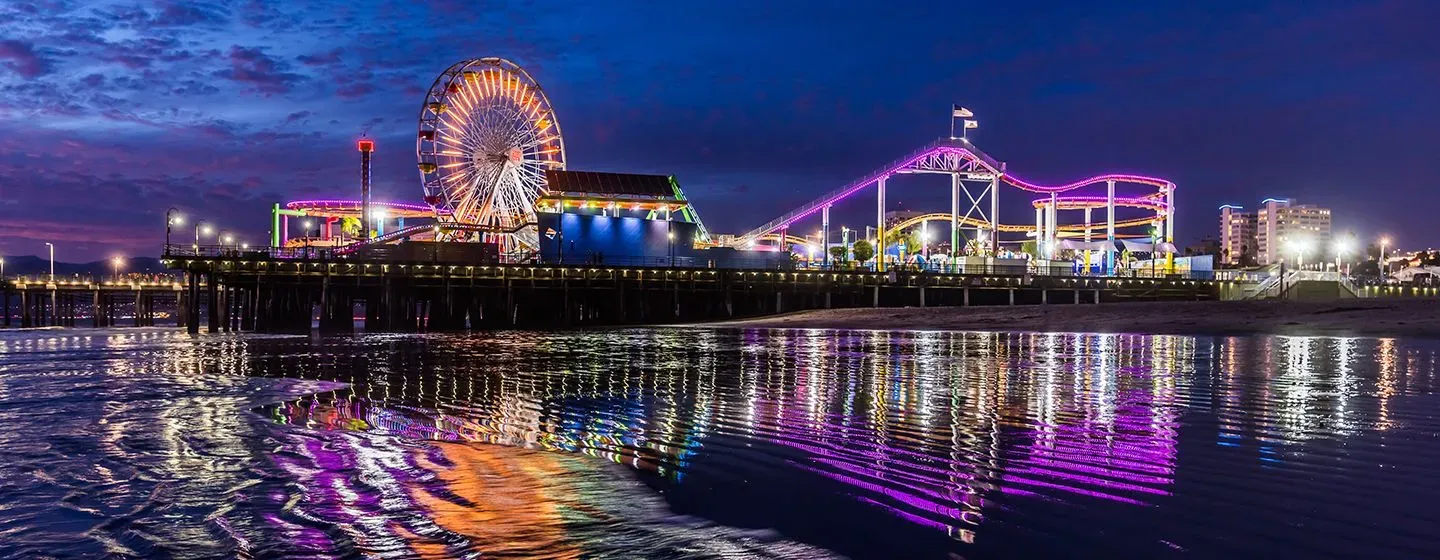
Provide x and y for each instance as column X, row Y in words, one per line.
column 172, row 218
column 1342, row 248
column 671, row 235
column 925, row 241
column 1154, row 249
column 116, row 262
column 2, row 269
column 1298, row 246
column 1383, row 242
column 200, row 225
column 52, row 260
column 824, row 248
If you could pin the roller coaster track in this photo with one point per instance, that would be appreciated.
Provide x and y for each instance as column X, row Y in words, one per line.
column 978, row 223
column 965, row 152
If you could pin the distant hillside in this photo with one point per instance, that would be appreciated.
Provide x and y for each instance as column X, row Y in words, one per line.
column 36, row 266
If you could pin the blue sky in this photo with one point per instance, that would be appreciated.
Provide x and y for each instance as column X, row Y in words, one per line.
column 111, row 112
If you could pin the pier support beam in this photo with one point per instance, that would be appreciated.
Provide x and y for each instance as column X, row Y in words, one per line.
column 212, row 308
column 825, row 235
column 880, row 231
column 955, row 218
column 1110, row 226
column 994, row 217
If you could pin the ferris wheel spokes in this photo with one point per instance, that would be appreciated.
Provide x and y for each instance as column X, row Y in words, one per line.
column 487, row 133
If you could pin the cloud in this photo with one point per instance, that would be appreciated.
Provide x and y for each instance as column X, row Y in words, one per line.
column 259, row 71
column 191, row 13
column 20, row 56
column 355, row 90
column 296, row 117
column 321, row 59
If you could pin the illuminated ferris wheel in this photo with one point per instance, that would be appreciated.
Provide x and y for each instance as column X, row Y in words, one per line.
column 487, row 136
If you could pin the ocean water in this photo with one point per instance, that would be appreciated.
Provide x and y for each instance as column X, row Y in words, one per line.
column 703, row 443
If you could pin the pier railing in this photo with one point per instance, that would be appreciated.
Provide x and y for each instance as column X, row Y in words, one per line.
column 988, row 268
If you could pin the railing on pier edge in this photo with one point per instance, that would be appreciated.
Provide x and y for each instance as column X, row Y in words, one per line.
column 87, row 282
column 330, row 255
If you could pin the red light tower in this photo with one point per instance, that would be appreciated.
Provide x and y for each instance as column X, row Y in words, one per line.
column 366, row 146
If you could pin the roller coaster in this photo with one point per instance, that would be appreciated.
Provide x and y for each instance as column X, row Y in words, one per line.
column 970, row 168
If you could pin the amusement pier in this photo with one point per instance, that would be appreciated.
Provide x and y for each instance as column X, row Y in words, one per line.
column 506, row 235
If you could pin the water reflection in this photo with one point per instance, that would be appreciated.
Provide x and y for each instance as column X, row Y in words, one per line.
column 939, row 430
column 703, row 443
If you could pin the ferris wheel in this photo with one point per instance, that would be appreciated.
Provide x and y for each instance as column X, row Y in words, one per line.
column 487, row 136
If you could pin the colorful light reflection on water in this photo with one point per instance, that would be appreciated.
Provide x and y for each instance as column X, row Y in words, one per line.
column 704, row 443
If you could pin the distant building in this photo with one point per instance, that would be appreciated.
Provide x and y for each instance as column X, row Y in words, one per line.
column 1237, row 235
column 1266, row 232
column 1280, row 221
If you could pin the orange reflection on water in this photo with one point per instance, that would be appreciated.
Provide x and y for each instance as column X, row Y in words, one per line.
column 499, row 496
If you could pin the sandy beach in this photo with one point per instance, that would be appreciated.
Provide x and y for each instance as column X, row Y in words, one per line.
column 1362, row 317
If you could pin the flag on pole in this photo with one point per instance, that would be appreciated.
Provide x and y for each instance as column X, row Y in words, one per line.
column 972, row 124
column 961, row 112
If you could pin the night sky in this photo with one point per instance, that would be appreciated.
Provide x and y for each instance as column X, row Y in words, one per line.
column 112, row 112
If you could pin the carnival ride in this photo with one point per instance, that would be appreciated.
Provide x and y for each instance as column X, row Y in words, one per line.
column 487, row 135
column 325, row 214
column 969, row 167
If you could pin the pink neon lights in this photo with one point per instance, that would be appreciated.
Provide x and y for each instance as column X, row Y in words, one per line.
column 951, row 147
column 1073, row 202
column 353, row 205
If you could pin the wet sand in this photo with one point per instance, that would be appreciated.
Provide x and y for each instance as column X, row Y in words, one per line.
column 1418, row 317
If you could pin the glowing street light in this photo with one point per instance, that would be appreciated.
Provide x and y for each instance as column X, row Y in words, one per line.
column 1299, row 246
column 1383, row 242
column 116, row 262
column 172, row 218
column 199, row 227
column 52, row 260
column 1343, row 246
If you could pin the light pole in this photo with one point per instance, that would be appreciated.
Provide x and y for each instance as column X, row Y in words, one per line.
column 671, row 235
column 1383, row 242
column 2, row 268
column 1298, row 247
column 1154, row 252
column 1342, row 246
column 199, row 225
column 52, row 260
column 925, row 241
column 171, row 219
column 116, row 262
column 824, row 249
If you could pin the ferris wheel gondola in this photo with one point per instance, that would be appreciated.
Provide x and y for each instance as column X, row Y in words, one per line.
column 487, row 134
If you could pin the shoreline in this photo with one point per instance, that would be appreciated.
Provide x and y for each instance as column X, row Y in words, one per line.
column 1390, row 317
